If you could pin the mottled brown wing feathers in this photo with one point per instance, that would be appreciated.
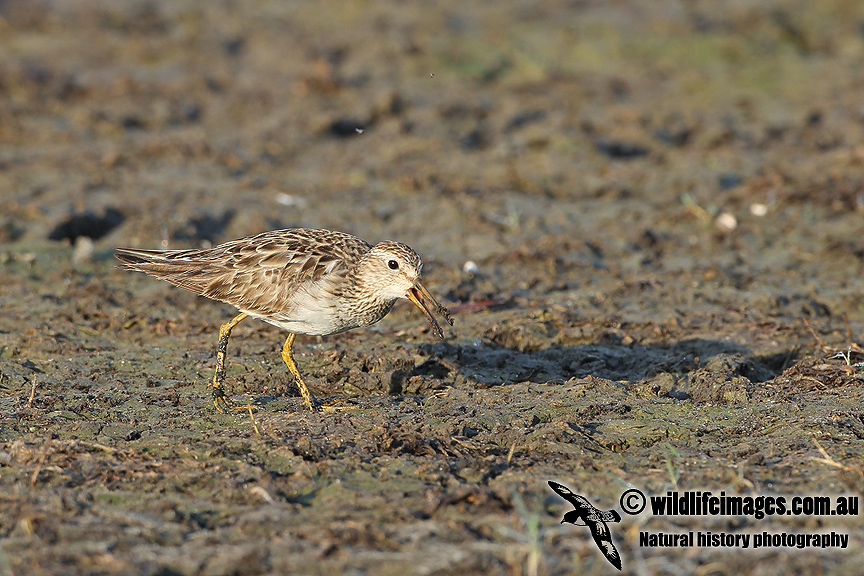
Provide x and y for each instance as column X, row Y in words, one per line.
column 259, row 273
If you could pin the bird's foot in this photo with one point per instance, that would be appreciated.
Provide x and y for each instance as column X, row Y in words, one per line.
column 315, row 405
column 308, row 398
column 222, row 403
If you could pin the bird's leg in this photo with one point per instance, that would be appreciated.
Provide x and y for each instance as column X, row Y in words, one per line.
column 288, row 358
column 220, row 401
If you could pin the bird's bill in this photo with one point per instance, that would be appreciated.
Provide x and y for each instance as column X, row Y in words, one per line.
column 423, row 300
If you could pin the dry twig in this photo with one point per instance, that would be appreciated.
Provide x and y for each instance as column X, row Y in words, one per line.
column 32, row 393
column 41, row 462
column 252, row 417
column 826, row 459
column 822, row 345
column 846, row 355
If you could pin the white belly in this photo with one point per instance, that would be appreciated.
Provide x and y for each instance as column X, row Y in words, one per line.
column 315, row 311
column 317, row 325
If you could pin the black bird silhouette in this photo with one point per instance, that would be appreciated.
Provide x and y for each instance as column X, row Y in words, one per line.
column 593, row 518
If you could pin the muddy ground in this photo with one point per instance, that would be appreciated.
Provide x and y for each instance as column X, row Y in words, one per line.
column 662, row 203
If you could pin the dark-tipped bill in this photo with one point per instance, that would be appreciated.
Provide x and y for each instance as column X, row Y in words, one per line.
column 423, row 300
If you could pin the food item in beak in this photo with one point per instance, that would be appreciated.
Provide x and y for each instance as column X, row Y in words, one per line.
column 423, row 300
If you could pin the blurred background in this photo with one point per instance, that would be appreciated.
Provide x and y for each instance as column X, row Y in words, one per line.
column 466, row 129
column 646, row 217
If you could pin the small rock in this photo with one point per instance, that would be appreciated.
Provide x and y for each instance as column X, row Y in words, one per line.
column 758, row 210
column 470, row 268
column 727, row 222
column 83, row 251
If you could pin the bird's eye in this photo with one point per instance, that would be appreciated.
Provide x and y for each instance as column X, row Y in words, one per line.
column 393, row 265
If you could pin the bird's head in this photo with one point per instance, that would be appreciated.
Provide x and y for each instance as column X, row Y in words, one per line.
column 392, row 270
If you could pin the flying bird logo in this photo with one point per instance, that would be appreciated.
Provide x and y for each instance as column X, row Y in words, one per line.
column 590, row 516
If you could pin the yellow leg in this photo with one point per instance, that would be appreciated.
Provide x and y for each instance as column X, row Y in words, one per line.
column 288, row 358
column 220, row 401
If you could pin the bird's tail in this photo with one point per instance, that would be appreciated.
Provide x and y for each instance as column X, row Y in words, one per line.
column 179, row 267
column 144, row 260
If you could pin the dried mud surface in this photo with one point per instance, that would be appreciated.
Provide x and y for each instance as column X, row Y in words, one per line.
column 662, row 203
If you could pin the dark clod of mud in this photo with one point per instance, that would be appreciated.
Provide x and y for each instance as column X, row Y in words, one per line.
column 87, row 224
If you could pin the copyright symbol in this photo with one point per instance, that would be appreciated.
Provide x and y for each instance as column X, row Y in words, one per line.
column 633, row 501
